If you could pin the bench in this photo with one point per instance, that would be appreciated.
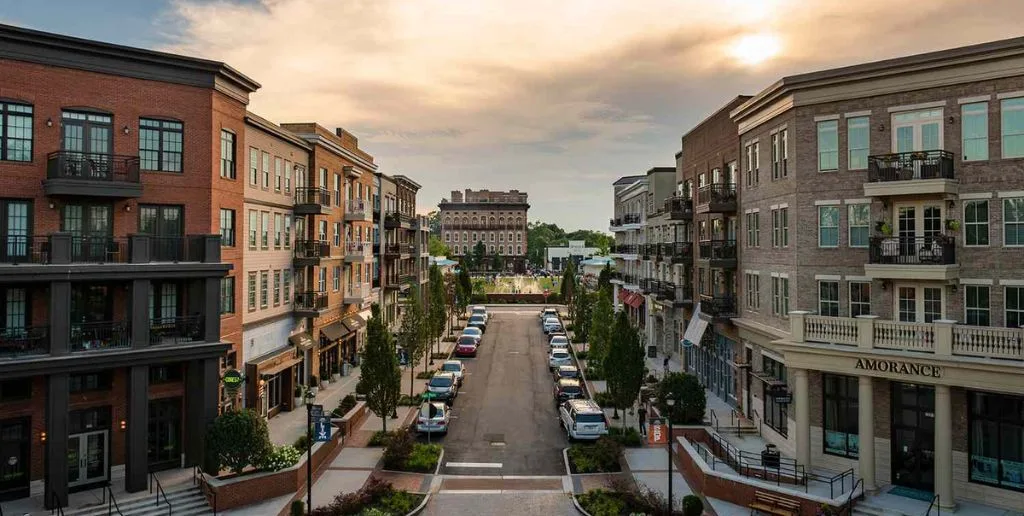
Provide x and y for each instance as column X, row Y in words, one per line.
column 776, row 504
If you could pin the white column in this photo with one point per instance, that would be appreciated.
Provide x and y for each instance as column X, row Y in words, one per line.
column 866, row 428
column 803, row 418
column 615, row 296
column 944, row 447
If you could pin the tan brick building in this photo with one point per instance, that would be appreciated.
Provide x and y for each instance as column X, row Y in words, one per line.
column 496, row 219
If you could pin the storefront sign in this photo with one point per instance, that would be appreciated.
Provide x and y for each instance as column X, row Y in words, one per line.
column 322, row 429
column 899, row 367
column 657, row 433
column 233, row 381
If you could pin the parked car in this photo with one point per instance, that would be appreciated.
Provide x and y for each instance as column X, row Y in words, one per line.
column 466, row 346
column 474, row 332
column 559, row 341
column 567, row 389
column 478, row 321
column 566, row 371
column 548, row 312
column 582, row 419
column 559, row 357
column 442, row 387
column 456, row 368
column 433, row 417
column 479, row 310
column 555, row 334
column 552, row 324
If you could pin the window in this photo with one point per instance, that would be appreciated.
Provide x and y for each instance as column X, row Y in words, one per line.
column 857, row 142
column 160, row 145
column 860, row 298
column 784, row 142
column 776, row 157
column 753, row 291
column 842, row 434
column 278, row 173
column 1012, row 117
column 264, row 279
column 996, row 435
column 859, row 223
column 976, row 305
column 519, row 249
column 265, row 229
column 253, row 225
column 976, row 223
column 828, row 145
column 286, row 285
column 15, row 132
column 1013, row 221
column 321, row 281
column 287, row 176
column 254, row 166
column 265, row 169
column 780, row 296
column 828, row 226
column 784, row 218
column 227, row 154
column 337, row 234
column 252, row 291
column 1014, row 307
column 165, row 374
column 828, row 298
column 90, row 382
column 287, row 231
column 780, row 227
column 336, row 282
column 227, row 295
column 754, row 229
column 227, row 227
column 776, row 415
column 277, row 288
column 974, row 131
column 751, row 165
column 322, row 231
column 337, row 189
column 278, row 230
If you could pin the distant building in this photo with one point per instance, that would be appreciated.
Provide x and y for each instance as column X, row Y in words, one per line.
column 498, row 219
column 558, row 258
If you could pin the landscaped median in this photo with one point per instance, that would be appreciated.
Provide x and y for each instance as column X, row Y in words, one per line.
column 623, row 497
column 377, row 497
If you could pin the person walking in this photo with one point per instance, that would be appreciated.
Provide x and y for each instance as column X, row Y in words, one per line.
column 665, row 365
column 643, row 420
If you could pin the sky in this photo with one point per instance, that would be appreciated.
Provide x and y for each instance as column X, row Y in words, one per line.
column 555, row 98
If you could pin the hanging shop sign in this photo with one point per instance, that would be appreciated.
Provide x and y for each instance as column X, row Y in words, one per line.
column 233, row 380
column 899, row 367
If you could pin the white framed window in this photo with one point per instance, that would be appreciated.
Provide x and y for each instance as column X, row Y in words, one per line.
column 828, row 298
column 753, row 229
column 976, row 305
column 337, row 234
column 976, row 223
column 753, row 282
column 780, row 296
column 277, row 288
column 828, row 145
column 860, row 298
column 287, row 176
column 336, row 281
column 265, row 229
column 1014, row 307
column 752, row 174
column 264, row 280
column 287, row 231
column 447, row 237
column 776, row 229
column 278, row 229
column 974, row 131
column 784, row 142
column 784, row 224
column 857, row 142
column 1012, row 127
column 757, row 162
column 321, row 281
column 828, row 226
column 519, row 249
column 859, row 223
column 1013, row 222
column 776, row 157
column 286, row 285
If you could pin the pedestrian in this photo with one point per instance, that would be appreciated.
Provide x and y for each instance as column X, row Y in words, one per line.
column 665, row 365
column 643, row 420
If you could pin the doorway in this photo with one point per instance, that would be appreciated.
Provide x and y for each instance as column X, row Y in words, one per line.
column 89, row 138
column 87, row 457
column 164, row 451
column 913, row 436
column 917, row 303
column 15, row 437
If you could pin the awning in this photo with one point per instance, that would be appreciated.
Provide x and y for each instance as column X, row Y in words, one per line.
column 334, row 331
column 695, row 330
column 275, row 361
column 302, row 341
column 354, row 322
column 631, row 298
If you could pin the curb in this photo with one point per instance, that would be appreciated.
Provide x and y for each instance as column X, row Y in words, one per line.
column 579, row 507
column 426, row 498
column 565, row 459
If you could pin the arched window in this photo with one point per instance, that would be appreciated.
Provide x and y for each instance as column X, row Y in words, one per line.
column 519, row 237
column 492, row 237
column 474, row 237
column 465, row 236
column 510, row 237
column 519, row 249
column 501, row 249
column 492, row 220
column 465, row 220
column 447, row 221
column 519, row 222
column 491, row 249
column 501, row 237
column 474, row 221
column 447, row 236
column 464, row 249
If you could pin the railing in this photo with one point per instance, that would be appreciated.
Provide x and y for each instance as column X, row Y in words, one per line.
column 718, row 250
column 625, row 249
column 108, row 498
column 199, row 479
column 356, row 206
column 833, row 330
column 683, row 293
column 358, row 248
column 667, row 291
column 313, row 195
column 904, row 336
column 395, row 219
column 99, row 335
column 176, row 330
column 23, row 341
column 718, row 193
column 917, row 250
column 714, row 420
column 15, row 249
column 398, row 249
column 99, row 249
column 631, row 218
column 159, row 491
column 934, row 503
column 312, row 249
column 310, row 300
column 176, row 248
column 679, row 207
column 910, row 166
column 719, row 305
column 681, row 251
column 848, row 506
column 358, row 290
column 92, row 166
column 55, row 506
column 988, row 342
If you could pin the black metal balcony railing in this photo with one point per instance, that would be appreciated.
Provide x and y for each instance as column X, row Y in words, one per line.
column 648, row 285
column 684, row 293
column 629, row 279
column 313, row 300
column 22, row 341
column 99, row 249
column 312, row 249
column 396, row 219
column 64, row 248
column 666, row 290
column 92, row 166
column 16, row 249
column 680, row 251
column 313, row 195
column 93, row 336
column 176, row 330
column 922, row 250
column 719, row 305
column 631, row 218
column 717, row 193
column 679, row 207
column 909, row 166
column 396, row 249
column 718, row 250
column 176, row 248
column 625, row 248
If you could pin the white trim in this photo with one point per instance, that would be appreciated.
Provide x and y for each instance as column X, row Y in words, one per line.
column 857, row 201
column 827, row 202
column 751, row 142
column 1010, row 94
column 854, row 114
column 786, row 205
column 826, row 118
column 752, row 273
column 915, row 107
column 773, row 355
column 828, row 277
column 976, row 98
column 752, row 210
column 1012, row 282
column 859, row 279
column 775, row 275
column 778, row 130
column 774, row 206
column 968, row 281
column 975, row 196
column 1014, row 193
column 784, row 275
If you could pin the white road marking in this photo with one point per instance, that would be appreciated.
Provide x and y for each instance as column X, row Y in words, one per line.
column 494, row 465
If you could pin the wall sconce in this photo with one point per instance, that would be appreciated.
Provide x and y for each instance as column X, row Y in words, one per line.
column 881, row 127
column 125, row 130
column 49, row 122
column 53, row 205
column 128, row 207
column 951, row 119
column 885, row 285
column 952, row 288
column 42, row 437
column 124, row 425
column 951, row 204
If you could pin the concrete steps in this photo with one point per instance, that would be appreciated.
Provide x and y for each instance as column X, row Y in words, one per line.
column 867, row 508
column 187, row 501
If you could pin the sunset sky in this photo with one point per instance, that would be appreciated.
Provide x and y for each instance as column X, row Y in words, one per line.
column 557, row 98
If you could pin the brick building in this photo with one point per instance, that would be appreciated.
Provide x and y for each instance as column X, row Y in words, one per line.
column 120, row 265
column 498, row 220
column 404, row 253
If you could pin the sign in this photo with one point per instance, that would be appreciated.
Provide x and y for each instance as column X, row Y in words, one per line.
column 899, row 367
column 322, row 429
column 233, row 380
column 316, row 411
column 783, row 398
column 657, row 432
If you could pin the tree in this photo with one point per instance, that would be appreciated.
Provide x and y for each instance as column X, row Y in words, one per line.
column 465, row 289
column 437, row 247
column 434, row 222
column 497, row 263
column 604, row 280
column 583, row 308
column 479, row 253
column 437, row 309
column 381, row 374
column 691, row 399
column 451, row 289
column 238, row 438
column 600, row 331
column 568, row 288
column 626, row 377
column 411, row 333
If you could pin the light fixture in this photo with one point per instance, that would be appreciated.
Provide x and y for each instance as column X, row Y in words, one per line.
column 42, row 437
column 125, row 130
column 951, row 204
column 881, row 127
column 128, row 207
column 52, row 205
column 124, row 425
column 952, row 288
column 951, row 119
column 49, row 122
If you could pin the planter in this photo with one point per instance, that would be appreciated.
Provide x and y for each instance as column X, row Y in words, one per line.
column 336, row 377
column 298, row 403
column 324, row 384
column 314, row 390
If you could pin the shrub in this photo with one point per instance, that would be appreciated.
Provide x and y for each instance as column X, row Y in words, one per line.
column 361, row 387
column 600, row 457
column 355, row 502
column 239, row 438
column 691, row 399
column 652, row 379
column 301, row 443
column 298, row 508
column 600, row 502
column 314, row 380
column 398, row 449
column 380, row 438
column 440, row 356
column 630, row 438
column 281, row 457
column 425, row 375
column 450, row 338
column 569, row 327
column 423, row 458
column 347, row 403
column 409, row 401
column 692, row 505
column 603, row 399
column 594, row 374
column 396, row 502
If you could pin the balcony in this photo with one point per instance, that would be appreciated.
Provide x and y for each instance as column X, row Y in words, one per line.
column 680, row 252
column 718, row 307
column 625, row 222
column 176, row 330
column 683, row 296
column 627, row 251
column 649, row 285
column 24, row 342
column 941, row 338
column 408, row 279
column 357, row 210
column 398, row 250
column 420, row 223
column 717, row 198
column 358, row 251
column 912, row 258
column 311, row 252
column 310, row 303
column 89, row 174
column 96, row 336
column 911, row 173
column 679, row 208
column 666, row 291
column 720, row 254
column 312, row 201
column 356, row 293
column 396, row 220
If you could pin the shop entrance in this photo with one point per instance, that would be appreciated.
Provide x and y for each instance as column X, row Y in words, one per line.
column 913, row 436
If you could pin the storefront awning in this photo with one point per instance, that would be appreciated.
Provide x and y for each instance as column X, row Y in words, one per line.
column 695, row 330
column 354, row 322
column 275, row 361
column 334, row 331
column 631, row 298
column 301, row 341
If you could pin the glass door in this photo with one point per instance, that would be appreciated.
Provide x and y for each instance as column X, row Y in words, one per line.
column 87, row 458
column 923, row 304
column 89, row 137
column 15, row 435
column 164, row 449
column 915, row 131
column 913, row 436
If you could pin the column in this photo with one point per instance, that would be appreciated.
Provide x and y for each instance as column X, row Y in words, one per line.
column 136, row 463
column 56, row 469
column 211, row 310
column 140, row 313
column 201, row 392
column 866, row 429
column 60, row 317
column 944, row 447
column 615, row 296
column 802, row 401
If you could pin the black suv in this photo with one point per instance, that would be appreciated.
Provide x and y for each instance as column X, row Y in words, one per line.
column 567, row 389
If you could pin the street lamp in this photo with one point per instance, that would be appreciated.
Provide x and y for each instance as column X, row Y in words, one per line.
column 671, row 403
column 310, row 398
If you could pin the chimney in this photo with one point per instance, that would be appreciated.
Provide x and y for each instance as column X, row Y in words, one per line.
column 456, row 196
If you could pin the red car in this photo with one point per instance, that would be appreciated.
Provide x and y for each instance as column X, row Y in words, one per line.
column 466, row 346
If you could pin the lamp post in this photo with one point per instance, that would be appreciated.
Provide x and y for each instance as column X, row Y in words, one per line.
column 310, row 398
column 671, row 403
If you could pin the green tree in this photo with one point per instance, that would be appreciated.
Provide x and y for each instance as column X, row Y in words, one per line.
column 437, row 247
column 411, row 333
column 237, row 439
column 604, row 279
column 437, row 309
column 691, row 399
column 600, row 332
column 465, row 290
column 434, row 222
column 583, row 313
column 568, row 288
column 626, row 377
column 497, row 263
column 380, row 372
column 479, row 255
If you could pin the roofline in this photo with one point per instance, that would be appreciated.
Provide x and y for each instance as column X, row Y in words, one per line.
column 412, row 184
column 456, row 205
column 632, row 179
column 315, row 138
column 728, row 105
column 655, row 170
column 266, row 125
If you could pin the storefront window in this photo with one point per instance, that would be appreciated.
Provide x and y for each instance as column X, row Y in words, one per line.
column 841, row 433
column 997, row 440
column 274, row 392
column 776, row 415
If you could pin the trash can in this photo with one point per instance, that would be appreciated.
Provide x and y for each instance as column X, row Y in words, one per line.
column 770, row 456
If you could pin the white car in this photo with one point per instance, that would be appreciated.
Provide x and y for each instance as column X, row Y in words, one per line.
column 456, row 368
column 582, row 419
column 559, row 357
column 475, row 332
column 548, row 312
column 479, row 310
column 551, row 324
column 559, row 341
column 433, row 418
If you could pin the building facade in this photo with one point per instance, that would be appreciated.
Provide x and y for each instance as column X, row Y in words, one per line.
column 558, row 258
column 630, row 195
column 496, row 220
column 121, row 264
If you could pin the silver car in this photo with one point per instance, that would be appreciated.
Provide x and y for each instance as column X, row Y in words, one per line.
column 433, row 418
column 559, row 357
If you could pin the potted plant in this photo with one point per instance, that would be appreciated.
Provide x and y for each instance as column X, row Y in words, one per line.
column 953, row 224
column 314, row 384
column 884, row 228
column 325, row 376
column 299, row 396
column 335, row 373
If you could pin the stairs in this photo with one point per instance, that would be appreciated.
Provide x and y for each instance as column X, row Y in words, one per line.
column 185, row 501
column 867, row 508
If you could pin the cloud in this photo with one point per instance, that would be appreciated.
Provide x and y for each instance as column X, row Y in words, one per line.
column 554, row 98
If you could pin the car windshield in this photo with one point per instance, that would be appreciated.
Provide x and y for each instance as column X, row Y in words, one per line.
column 589, row 418
column 572, row 389
column 476, row 318
column 441, row 381
column 452, row 367
column 560, row 354
column 467, row 340
column 471, row 331
column 431, row 410
column 480, row 310
column 568, row 374
column 559, row 340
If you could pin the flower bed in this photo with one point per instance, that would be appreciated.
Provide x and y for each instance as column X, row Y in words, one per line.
column 602, row 456
column 630, row 437
column 425, row 375
column 623, row 497
column 375, row 497
column 403, row 453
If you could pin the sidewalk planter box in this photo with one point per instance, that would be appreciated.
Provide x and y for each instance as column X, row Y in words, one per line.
column 324, row 383
column 336, row 377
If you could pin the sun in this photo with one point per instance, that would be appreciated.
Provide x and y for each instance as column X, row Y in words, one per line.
column 754, row 49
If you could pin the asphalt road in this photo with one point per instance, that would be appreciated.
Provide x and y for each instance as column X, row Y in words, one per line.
column 505, row 419
column 506, row 504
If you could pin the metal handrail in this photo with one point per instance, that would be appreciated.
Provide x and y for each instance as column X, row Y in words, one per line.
column 55, row 504
column 760, row 422
column 714, row 419
column 111, row 501
column 935, row 503
column 204, row 485
column 848, row 506
column 159, row 491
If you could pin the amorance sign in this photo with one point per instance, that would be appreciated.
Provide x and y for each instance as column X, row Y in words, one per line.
column 899, row 367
